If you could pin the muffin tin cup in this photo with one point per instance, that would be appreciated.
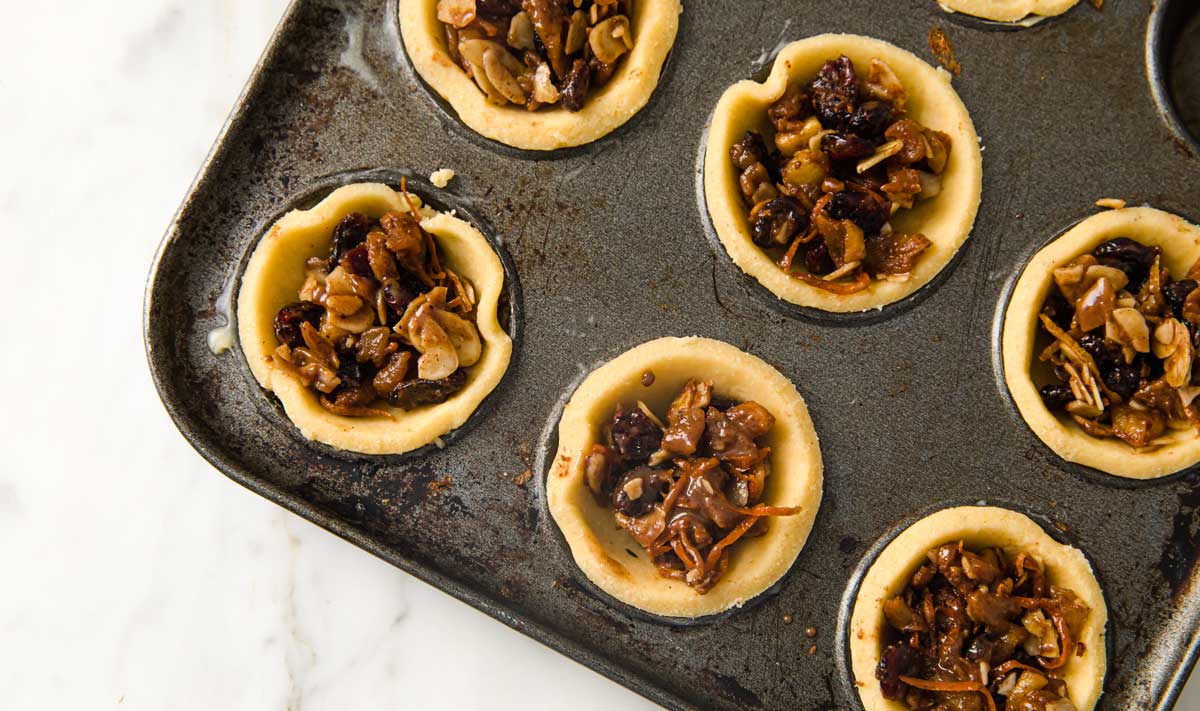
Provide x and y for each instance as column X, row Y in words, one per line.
column 1168, row 22
column 442, row 200
column 608, row 243
column 849, row 597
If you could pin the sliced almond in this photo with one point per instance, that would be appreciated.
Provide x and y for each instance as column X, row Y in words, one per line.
column 1128, row 327
column 611, row 38
column 881, row 154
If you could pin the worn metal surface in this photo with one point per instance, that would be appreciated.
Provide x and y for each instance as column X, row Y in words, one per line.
column 609, row 242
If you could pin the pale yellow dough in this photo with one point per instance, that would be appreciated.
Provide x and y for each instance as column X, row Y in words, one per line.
column 273, row 279
column 1180, row 243
column 977, row 527
column 600, row 547
column 654, row 23
column 946, row 219
column 1009, row 10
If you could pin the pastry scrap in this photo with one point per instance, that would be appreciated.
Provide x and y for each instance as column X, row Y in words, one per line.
column 1100, row 340
column 848, row 179
column 374, row 319
column 687, row 476
column 541, row 74
column 688, row 486
column 976, row 607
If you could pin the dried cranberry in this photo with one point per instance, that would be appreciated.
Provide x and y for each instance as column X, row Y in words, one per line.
column 289, row 318
column 777, row 222
column 869, row 210
column 846, row 147
column 871, row 119
column 1131, row 257
column 1177, row 292
column 748, row 151
column 835, row 92
column 896, row 661
column 349, row 233
column 356, row 261
column 415, row 393
column 635, row 436
column 1056, row 397
column 650, row 487
column 575, row 85
column 817, row 259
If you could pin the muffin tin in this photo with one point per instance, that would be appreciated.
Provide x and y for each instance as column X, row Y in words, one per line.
column 605, row 248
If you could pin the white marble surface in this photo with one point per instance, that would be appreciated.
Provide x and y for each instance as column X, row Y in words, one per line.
column 136, row 575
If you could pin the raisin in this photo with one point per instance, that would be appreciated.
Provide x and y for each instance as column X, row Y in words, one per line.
column 497, row 8
column 351, row 372
column 635, row 436
column 980, row 648
column 289, row 318
column 846, row 147
column 653, row 483
column 1107, row 354
column 575, row 85
column 1123, row 380
column 835, row 92
column 1177, row 292
column 356, row 261
column 1056, row 397
column 398, row 295
column 896, row 661
column 748, row 151
column 1058, row 310
column 777, row 221
column 869, row 210
column 817, row 259
column 415, row 393
column 349, row 233
column 1131, row 257
column 871, row 119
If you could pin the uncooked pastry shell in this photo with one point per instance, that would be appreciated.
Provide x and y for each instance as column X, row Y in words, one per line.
column 977, row 527
column 1180, row 243
column 1009, row 10
column 275, row 274
column 601, row 549
column 655, row 23
column 946, row 219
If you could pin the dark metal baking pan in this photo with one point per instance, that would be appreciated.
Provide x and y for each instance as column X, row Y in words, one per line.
column 610, row 249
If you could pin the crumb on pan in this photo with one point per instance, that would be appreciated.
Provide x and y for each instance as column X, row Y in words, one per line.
column 943, row 51
column 441, row 177
column 1111, row 203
